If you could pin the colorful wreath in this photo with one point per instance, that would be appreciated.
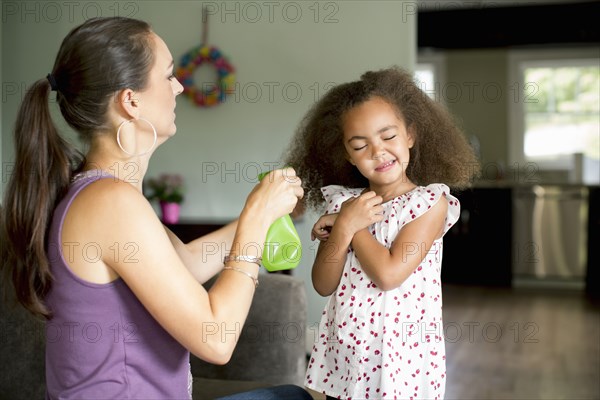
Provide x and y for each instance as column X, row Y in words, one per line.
column 214, row 94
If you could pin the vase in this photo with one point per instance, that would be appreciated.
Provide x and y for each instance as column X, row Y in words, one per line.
column 170, row 212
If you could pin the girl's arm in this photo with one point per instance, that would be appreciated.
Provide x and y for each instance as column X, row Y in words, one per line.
column 388, row 269
column 203, row 257
column 329, row 262
column 355, row 214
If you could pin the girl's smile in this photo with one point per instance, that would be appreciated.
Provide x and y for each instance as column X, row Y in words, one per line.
column 386, row 166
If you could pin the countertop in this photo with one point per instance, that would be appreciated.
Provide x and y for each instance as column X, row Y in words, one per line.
column 508, row 184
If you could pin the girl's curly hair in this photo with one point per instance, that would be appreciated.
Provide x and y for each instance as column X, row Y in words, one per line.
column 441, row 153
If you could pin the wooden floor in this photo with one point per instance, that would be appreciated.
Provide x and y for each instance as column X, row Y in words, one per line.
column 517, row 344
column 521, row 344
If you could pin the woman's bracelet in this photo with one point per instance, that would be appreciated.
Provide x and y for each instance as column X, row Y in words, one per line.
column 236, row 269
column 250, row 259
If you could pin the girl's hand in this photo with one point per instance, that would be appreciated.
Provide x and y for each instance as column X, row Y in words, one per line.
column 322, row 227
column 275, row 195
column 359, row 212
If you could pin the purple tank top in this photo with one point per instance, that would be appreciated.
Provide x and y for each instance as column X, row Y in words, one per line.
column 101, row 342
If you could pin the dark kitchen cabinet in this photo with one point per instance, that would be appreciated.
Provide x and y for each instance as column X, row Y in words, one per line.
column 592, row 280
column 478, row 249
column 187, row 231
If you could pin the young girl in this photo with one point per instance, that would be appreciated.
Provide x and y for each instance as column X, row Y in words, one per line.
column 382, row 153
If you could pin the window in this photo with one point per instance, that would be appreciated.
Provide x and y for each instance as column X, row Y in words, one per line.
column 555, row 108
column 429, row 73
column 425, row 77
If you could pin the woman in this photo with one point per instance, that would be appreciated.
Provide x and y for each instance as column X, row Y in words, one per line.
column 83, row 247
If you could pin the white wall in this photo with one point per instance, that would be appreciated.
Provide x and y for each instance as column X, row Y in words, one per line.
column 287, row 46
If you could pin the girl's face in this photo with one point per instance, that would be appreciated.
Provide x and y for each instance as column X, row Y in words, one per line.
column 377, row 142
column 158, row 99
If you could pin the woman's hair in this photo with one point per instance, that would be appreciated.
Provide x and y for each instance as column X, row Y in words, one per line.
column 440, row 153
column 96, row 60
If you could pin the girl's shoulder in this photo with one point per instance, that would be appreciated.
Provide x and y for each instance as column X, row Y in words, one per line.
column 429, row 194
column 335, row 195
column 413, row 204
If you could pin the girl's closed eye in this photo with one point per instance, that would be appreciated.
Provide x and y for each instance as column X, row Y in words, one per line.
column 364, row 146
column 172, row 76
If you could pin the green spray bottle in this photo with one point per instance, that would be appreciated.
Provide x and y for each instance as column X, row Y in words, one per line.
column 283, row 248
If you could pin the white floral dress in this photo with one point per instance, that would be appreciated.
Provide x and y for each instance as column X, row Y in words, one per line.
column 375, row 344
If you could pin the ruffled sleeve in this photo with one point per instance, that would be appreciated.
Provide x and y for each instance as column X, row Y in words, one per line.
column 422, row 199
column 335, row 195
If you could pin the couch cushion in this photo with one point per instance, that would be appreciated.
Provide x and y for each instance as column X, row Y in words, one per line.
column 22, row 354
column 271, row 347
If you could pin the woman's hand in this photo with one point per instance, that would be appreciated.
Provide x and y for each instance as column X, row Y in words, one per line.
column 323, row 226
column 359, row 212
column 276, row 194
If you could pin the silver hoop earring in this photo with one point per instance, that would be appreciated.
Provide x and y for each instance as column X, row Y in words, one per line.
column 119, row 137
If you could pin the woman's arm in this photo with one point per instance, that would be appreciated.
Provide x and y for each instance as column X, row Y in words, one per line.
column 388, row 269
column 206, row 323
column 203, row 257
column 355, row 214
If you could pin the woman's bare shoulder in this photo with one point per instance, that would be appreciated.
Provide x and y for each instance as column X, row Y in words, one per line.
column 109, row 207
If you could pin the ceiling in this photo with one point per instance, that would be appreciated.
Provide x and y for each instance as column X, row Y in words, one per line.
column 525, row 23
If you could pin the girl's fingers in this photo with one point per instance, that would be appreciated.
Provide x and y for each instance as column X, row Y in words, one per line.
column 375, row 201
column 371, row 199
column 322, row 235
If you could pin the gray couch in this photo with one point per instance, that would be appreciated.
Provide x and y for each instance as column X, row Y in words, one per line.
column 270, row 351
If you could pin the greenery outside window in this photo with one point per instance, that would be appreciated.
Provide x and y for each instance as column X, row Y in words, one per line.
column 555, row 108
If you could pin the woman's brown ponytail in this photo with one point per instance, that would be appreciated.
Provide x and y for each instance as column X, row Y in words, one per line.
column 41, row 174
column 96, row 60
